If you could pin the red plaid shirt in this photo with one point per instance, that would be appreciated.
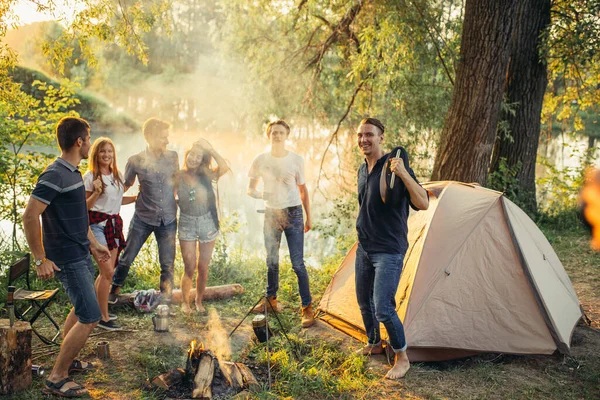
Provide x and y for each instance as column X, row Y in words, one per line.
column 112, row 230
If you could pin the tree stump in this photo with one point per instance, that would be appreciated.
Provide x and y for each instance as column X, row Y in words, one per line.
column 15, row 356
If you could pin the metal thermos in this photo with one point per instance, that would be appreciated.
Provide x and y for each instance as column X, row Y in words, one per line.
column 10, row 305
column 161, row 318
column 259, row 325
column 37, row 370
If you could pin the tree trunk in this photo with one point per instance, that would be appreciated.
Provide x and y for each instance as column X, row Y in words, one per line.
column 525, row 85
column 470, row 128
column 15, row 356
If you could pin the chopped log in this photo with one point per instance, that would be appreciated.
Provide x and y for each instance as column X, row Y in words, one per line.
column 211, row 293
column 169, row 379
column 15, row 356
column 250, row 381
column 232, row 374
column 204, row 377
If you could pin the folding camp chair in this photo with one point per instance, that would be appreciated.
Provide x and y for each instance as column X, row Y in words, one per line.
column 39, row 299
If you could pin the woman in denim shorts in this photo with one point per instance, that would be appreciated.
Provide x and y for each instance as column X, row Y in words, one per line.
column 198, row 226
column 104, row 189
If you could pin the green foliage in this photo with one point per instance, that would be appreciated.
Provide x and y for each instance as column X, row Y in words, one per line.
column 559, row 193
column 88, row 106
column 505, row 180
column 25, row 123
column 339, row 221
column 573, row 65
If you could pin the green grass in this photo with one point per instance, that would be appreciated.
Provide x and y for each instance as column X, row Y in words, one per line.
column 326, row 370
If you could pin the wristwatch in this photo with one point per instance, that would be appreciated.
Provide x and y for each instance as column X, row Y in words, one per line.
column 40, row 262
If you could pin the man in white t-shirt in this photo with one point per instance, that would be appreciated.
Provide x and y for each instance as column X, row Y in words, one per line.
column 285, row 192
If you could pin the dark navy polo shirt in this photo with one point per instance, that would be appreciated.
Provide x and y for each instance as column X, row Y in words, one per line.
column 65, row 220
column 382, row 228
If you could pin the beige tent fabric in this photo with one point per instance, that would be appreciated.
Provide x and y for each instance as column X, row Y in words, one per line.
column 340, row 296
column 454, row 220
column 549, row 277
column 481, row 299
column 463, row 287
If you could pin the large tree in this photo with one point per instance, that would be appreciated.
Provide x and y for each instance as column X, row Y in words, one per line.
column 526, row 83
column 470, row 128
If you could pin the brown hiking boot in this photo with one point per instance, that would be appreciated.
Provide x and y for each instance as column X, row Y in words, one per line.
column 308, row 317
column 260, row 308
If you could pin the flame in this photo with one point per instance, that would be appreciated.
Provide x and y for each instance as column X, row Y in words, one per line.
column 195, row 348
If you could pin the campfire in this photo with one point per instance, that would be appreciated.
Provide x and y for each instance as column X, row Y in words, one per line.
column 205, row 376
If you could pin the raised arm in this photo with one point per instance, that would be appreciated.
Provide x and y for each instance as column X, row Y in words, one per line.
column 222, row 167
column 92, row 197
column 418, row 195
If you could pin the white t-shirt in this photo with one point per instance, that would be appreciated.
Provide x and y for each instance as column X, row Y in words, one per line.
column 109, row 202
column 281, row 177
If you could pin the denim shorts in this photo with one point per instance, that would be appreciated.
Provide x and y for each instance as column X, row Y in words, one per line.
column 98, row 231
column 202, row 228
column 78, row 280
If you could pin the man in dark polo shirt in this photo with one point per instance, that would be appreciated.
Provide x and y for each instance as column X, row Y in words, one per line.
column 61, row 246
column 382, row 240
column 155, row 207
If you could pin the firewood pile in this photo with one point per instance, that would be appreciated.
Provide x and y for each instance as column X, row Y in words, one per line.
column 205, row 377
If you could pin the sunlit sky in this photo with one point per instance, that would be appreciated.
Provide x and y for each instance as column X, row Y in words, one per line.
column 28, row 13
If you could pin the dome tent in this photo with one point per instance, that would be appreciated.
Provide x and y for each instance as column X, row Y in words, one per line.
column 478, row 276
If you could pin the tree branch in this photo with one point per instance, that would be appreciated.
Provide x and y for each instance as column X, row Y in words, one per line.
column 337, row 128
column 337, row 30
column 437, row 48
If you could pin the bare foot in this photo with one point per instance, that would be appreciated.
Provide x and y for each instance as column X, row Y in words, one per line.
column 185, row 308
column 200, row 308
column 400, row 368
column 370, row 349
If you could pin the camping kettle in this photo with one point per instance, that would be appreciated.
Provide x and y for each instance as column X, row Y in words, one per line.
column 161, row 318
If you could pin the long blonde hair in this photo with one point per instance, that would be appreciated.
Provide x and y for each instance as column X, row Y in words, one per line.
column 94, row 165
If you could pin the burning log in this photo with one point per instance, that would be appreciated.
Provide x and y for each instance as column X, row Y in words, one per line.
column 206, row 376
column 200, row 366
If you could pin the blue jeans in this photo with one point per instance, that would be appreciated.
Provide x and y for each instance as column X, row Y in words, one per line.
column 291, row 222
column 78, row 280
column 165, row 238
column 377, row 278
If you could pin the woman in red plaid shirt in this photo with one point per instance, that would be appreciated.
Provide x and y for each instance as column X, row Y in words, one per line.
column 104, row 189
